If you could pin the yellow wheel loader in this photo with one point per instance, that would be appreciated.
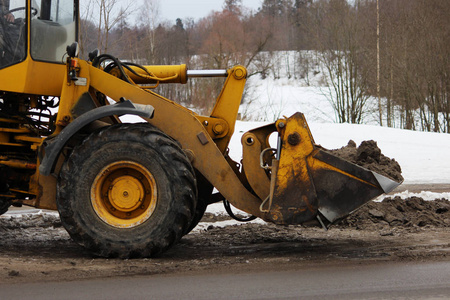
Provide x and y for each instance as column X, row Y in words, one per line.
column 133, row 190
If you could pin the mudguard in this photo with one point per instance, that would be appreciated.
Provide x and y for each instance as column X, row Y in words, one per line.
column 53, row 146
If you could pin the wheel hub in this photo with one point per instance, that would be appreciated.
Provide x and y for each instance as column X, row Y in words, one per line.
column 124, row 194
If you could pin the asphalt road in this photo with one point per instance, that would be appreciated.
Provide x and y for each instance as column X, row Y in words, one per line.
column 349, row 280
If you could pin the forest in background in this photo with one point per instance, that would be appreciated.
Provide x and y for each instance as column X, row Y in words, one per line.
column 396, row 52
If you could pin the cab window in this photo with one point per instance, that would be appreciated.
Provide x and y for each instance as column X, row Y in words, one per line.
column 12, row 32
column 53, row 27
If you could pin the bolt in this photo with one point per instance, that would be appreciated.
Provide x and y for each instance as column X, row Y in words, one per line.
column 125, row 194
column 218, row 129
column 294, row 139
column 281, row 124
column 239, row 74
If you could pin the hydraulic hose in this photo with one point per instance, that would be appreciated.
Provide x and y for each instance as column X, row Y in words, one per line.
column 227, row 206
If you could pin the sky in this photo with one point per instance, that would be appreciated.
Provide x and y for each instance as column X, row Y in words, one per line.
column 173, row 9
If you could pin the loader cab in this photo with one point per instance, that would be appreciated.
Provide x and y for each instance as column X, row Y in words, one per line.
column 34, row 35
column 52, row 28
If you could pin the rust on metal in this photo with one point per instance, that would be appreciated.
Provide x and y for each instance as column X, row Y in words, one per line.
column 310, row 181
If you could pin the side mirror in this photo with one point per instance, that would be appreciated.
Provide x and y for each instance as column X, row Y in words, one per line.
column 93, row 55
column 72, row 50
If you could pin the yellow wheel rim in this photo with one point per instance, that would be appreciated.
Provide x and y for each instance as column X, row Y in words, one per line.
column 124, row 194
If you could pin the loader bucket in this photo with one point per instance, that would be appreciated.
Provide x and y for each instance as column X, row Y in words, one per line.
column 308, row 182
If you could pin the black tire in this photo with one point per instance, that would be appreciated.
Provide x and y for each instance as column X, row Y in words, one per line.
column 198, row 215
column 5, row 203
column 204, row 191
column 4, row 206
column 116, row 159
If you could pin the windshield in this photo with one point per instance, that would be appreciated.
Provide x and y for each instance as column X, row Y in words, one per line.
column 53, row 27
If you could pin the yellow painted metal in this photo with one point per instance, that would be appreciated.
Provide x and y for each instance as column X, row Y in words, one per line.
column 45, row 186
column 227, row 104
column 175, row 120
column 19, row 164
column 51, row 79
column 24, row 138
column 4, row 137
column 15, row 130
column 254, row 143
column 162, row 74
column 13, row 144
column 294, row 155
column 217, row 128
column 184, row 126
column 33, row 77
column 18, row 191
column 124, row 194
column 8, row 196
column 9, row 120
column 293, row 198
column 70, row 94
column 307, row 181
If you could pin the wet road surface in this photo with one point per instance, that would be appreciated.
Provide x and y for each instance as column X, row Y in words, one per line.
column 348, row 280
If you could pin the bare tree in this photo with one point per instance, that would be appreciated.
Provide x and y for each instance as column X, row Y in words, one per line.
column 380, row 109
column 87, row 39
column 106, row 14
column 341, row 54
column 414, row 61
column 149, row 18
